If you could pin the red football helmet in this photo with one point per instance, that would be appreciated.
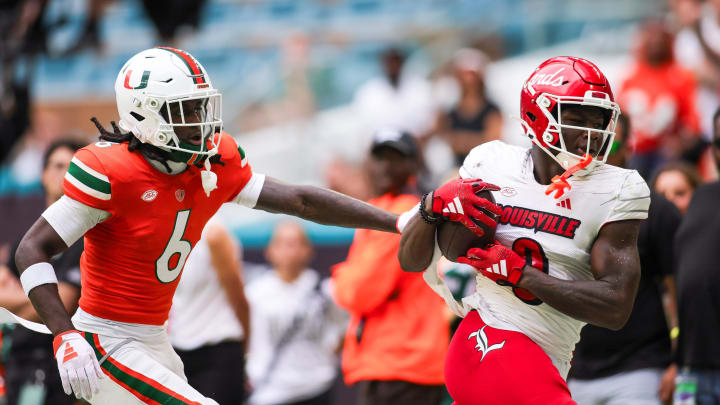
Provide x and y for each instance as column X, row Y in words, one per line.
column 561, row 81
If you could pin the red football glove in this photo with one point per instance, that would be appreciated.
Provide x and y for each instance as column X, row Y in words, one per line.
column 497, row 262
column 457, row 201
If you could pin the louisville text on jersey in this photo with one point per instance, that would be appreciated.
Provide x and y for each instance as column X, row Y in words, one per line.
column 539, row 221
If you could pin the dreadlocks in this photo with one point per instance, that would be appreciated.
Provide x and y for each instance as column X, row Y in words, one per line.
column 149, row 151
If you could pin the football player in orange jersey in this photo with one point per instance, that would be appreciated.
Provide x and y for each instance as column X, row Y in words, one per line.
column 141, row 197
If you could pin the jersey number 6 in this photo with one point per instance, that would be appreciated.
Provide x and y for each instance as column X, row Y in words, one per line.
column 172, row 260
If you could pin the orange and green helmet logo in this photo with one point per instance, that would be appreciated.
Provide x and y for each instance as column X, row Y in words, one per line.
column 143, row 80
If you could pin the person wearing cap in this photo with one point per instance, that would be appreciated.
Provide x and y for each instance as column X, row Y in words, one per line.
column 398, row 335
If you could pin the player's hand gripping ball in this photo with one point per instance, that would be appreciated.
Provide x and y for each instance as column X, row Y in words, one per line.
column 496, row 262
column 471, row 213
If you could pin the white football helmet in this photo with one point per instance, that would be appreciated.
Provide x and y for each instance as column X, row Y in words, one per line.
column 158, row 80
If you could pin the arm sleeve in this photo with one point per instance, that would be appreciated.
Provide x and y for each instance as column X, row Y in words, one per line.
column 370, row 274
column 632, row 201
column 71, row 218
column 249, row 195
column 86, row 181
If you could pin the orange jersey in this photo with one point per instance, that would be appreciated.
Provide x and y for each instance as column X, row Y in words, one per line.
column 398, row 329
column 660, row 102
column 133, row 260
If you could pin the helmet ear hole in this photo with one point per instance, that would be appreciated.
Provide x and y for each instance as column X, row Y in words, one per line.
column 137, row 116
column 531, row 116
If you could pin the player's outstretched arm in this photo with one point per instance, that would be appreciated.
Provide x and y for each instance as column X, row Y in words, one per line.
column 39, row 245
column 607, row 300
column 417, row 242
column 323, row 206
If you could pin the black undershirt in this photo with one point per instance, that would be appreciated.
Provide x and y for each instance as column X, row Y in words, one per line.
column 474, row 123
column 698, row 280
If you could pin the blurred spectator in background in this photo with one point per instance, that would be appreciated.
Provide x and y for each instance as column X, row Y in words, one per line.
column 396, row 99
column 698, row 283
column 170, row 17
column 32, row 373
column 398, row 334
column 297, row 329
column 474, row 119
column 90, row 34
column 697, row 47
column 209, row 319
column 659, row 97
column 627, row 366
column 23, row 37
column 677, row 181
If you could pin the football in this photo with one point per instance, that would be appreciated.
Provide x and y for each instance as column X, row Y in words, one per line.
column 454, row 239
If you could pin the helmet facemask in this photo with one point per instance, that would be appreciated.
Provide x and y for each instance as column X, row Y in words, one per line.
column 556, row 140
column 187, row 124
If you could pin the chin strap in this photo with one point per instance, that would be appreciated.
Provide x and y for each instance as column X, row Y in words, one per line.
column 560, row 183
column 209, row 178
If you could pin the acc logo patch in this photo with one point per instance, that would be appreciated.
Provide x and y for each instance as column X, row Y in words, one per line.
column 179, row 195
column 149, row 195
column 508, row 191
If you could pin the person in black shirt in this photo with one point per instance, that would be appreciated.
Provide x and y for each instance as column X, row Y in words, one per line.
column 31, row 370
column 475, row 119
column 627, row 366
column 698, row 290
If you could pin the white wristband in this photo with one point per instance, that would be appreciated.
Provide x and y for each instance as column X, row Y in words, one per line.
column 37, row 274
column 405, row 217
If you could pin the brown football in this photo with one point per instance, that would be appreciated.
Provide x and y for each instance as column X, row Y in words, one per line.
column 455, row 239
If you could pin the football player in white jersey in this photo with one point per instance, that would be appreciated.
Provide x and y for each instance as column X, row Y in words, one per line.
column 566, row 241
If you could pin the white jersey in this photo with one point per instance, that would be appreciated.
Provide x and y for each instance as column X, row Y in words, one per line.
column 296, row 330
column 559, row 233
column 201, row 313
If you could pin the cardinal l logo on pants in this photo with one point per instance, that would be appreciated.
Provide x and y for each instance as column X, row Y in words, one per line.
column 482, row 342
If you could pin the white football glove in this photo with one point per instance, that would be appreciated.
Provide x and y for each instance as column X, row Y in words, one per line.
column 79, row 369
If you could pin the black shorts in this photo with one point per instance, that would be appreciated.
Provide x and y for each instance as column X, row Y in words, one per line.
column 217, row 371
column 398, row 392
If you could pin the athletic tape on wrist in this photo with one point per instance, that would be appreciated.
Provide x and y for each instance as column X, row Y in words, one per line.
column 37, row 274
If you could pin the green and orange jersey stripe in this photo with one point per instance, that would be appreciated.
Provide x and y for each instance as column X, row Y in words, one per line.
column 195, row 70
column 143, row 387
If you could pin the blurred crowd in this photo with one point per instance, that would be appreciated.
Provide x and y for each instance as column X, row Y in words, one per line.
column 302, row 324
